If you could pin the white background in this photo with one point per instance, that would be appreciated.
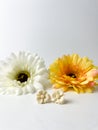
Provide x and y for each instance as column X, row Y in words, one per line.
column 50, row 28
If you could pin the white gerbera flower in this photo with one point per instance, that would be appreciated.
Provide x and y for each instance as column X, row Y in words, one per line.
column 23, row 73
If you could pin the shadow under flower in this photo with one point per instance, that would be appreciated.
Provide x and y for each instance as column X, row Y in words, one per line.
column 68, row 101
column 96, row 89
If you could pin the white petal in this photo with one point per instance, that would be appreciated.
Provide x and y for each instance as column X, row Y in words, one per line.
column 24, row 89
column 18, row 91
column 30, row 89
column 38, row 86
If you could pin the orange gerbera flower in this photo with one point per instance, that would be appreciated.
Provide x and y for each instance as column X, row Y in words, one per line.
column 71, row 72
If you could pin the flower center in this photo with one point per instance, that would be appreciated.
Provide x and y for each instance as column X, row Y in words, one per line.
column 71, row 75
column 23, row 76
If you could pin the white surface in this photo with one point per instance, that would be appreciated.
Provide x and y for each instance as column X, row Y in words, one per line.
column 50, row 28
column 23, row 113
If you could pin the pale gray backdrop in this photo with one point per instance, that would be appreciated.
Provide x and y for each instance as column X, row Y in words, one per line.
column 50, row 28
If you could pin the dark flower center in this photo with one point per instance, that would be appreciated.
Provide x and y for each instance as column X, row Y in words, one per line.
column 23, row 77
column 71, row 75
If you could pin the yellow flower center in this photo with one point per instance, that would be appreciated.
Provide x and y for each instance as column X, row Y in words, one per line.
column 22, row 76
column 71, row 75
